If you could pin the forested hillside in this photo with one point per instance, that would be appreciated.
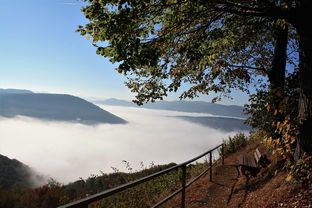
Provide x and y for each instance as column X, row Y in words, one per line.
column 55, row 194
column 14, row 173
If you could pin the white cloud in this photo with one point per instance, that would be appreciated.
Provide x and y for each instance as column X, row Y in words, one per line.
column 67, row 151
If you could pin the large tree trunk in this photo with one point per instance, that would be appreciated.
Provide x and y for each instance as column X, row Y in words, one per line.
column 305, row 98
column 277, row 73
column 304, row 16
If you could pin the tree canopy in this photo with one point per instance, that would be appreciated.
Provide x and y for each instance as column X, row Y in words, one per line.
column 163, row 44
column 214, row 46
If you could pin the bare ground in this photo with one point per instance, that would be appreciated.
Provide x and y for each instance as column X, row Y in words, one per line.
column 231, row 189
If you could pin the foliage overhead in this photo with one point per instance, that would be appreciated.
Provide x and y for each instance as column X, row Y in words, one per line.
column 277, row 123
column 214, row 46
column 210, row 46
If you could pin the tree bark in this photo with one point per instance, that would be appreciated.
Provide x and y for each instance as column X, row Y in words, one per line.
column 277, row 73
column 304, row 15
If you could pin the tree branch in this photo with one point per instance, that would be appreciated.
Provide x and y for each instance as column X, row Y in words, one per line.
column 249, row 67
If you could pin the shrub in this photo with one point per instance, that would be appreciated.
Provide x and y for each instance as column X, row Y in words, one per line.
column 235, row 143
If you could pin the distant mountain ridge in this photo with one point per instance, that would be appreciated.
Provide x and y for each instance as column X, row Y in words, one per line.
column 59, row 107
column 221, row 123
column 14, row 91
column 183, row 106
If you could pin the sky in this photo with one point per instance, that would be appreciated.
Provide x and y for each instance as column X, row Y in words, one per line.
column 40, row 51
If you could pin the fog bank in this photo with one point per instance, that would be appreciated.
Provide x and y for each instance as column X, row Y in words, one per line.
column 67, row 151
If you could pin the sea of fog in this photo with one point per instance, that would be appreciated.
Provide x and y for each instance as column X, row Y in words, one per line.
column 68, row 151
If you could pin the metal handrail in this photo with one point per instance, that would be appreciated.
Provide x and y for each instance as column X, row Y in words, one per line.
column 83, row 203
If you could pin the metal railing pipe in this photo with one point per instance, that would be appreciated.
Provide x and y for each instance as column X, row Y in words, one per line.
column 82, row 203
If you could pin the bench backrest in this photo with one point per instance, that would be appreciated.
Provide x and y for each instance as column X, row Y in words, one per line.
column 248, row 161
column 252, row 161
column 257, row 155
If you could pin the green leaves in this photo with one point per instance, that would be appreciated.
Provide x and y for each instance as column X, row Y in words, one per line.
column 171, row 43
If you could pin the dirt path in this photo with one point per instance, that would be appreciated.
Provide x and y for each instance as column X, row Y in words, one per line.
column 229, row 189
column 225, row 189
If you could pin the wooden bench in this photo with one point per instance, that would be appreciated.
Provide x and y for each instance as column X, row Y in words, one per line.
column 251, row 164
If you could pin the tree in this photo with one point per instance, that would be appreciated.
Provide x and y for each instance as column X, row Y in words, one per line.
column 214, row 45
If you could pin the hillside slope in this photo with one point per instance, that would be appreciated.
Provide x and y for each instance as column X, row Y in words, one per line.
column 221, row 123
column 60, row 107
column 230, row 189
column 14, row 173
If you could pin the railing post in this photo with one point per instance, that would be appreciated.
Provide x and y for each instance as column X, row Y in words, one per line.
column 183, row 186
column 222, row 152
column 210, row 163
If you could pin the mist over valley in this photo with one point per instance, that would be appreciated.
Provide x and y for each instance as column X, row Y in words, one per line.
column 67, row 150
column 183, row 106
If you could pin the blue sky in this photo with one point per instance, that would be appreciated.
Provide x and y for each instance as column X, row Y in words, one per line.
column 40, row 51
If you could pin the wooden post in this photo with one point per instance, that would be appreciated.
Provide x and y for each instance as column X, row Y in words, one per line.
column 210, row 163
column 222, row 152
column 183, row 181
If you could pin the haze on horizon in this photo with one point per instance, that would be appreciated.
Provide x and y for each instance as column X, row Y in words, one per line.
column 68, row 151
